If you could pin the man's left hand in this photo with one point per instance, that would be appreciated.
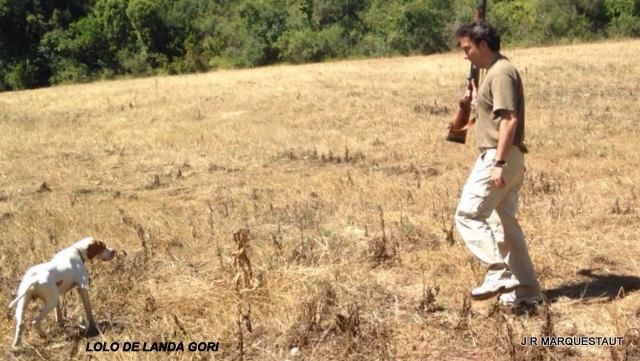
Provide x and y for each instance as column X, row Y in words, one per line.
column 497, row 178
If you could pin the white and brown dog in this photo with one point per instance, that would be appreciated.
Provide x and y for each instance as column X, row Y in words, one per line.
column 51, row 280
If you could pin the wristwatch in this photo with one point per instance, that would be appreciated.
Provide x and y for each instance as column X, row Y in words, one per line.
column 499, row 163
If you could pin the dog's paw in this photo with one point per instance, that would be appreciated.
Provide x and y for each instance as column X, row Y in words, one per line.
column 90, row 331
column 20, row 349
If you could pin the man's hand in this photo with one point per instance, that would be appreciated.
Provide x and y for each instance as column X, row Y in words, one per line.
column 461, row 119
column 497, row 177
column 469, row 97
column 465, row 102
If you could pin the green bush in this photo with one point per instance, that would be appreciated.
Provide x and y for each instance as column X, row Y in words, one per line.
column 134, row 61
column 147, row 23
column 624, row 25
column 537, row 22
column 45, row 42
column 24, row 74
column 407, row 26
column 624, row 17
column 301, row 46
column 70, row 71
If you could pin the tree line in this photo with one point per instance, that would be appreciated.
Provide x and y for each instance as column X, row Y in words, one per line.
column 46, row 42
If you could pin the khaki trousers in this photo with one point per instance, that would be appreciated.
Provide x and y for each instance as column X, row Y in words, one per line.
column 486, row 221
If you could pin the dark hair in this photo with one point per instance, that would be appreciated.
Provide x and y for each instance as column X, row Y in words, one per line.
column 478, row 31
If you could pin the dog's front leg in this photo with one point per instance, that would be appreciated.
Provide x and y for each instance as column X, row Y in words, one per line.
column 59, row 313
column 91, row 330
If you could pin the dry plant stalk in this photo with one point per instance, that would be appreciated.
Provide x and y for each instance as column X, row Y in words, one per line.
column 276, row 239
column 242, row 265
column 428, row 301
column 381, row 251
column 464, row 317
column 242, row 282
column 632, row 345
column 548, row 328
column 349, row 322
column 245, row 315
column 143, row 236
column 180, row 326
column 211, row 224
column 511, row 343
column 313, row 318
column 240, row 341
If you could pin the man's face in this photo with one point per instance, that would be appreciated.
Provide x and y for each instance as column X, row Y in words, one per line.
column 470, row 49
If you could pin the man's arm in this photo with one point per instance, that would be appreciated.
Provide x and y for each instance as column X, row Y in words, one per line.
column 506, row 134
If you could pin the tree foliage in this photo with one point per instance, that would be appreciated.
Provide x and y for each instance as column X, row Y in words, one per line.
column 44, row 42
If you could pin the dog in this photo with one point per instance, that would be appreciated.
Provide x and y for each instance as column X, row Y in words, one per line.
column 51, row 280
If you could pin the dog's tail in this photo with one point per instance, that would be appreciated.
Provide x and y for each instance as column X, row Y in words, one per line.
column 13, row 303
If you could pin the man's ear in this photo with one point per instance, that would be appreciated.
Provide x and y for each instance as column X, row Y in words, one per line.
column 483, row 45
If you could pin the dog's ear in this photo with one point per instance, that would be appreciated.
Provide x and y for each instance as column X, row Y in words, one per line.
column 95, row 248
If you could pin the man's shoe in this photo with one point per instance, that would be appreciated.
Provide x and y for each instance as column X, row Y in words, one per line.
column 511, row 300
column 492, row 287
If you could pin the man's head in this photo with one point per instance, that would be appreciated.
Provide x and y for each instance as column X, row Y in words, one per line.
column 480, row 42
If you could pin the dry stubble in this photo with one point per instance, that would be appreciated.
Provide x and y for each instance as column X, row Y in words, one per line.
column 312, row 160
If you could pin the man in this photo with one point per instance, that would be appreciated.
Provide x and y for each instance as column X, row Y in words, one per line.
column 486, row 214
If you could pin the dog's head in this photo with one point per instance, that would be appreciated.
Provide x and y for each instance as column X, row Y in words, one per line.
column 92, row 248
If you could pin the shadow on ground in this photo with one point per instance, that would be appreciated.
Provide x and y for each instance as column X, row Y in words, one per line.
column 74, row 337
column 598, row 286
column 102, row 328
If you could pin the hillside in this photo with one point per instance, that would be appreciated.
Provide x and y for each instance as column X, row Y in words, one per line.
column 340, row 174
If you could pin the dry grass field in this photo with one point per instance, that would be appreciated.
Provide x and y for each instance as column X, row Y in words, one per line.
column 340, row 177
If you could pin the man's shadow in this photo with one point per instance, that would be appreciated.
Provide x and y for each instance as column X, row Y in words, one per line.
column 605, row 287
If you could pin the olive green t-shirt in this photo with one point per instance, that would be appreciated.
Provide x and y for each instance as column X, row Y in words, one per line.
column 501, row 89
